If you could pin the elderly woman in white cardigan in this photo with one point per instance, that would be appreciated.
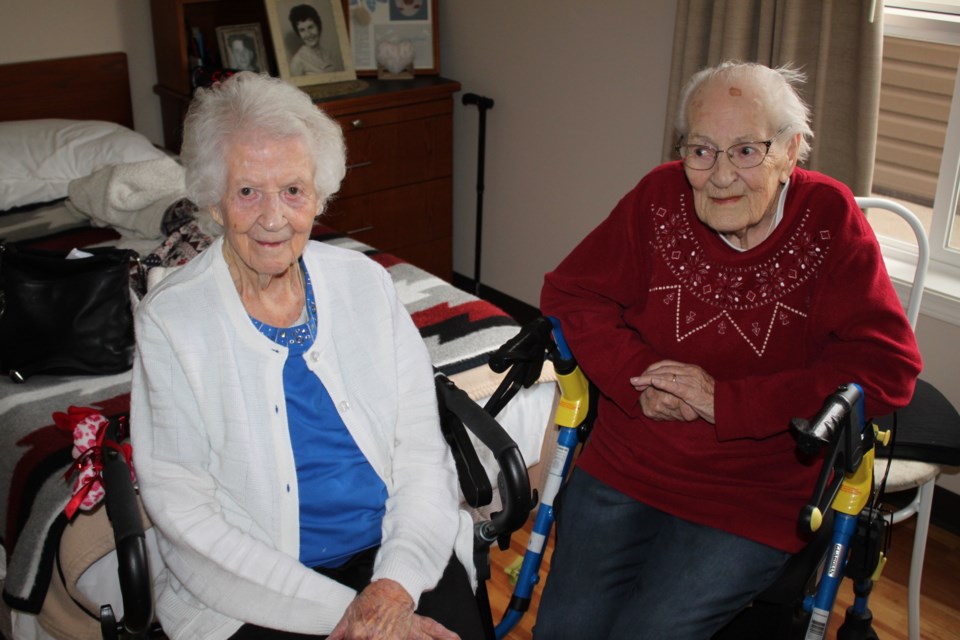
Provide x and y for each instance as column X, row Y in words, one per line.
column 285, row 423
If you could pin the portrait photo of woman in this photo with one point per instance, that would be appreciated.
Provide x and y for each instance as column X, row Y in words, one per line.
column 311, row 42
column 242, row 48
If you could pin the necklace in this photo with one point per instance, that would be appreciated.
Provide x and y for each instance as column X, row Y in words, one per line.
column 302, row 333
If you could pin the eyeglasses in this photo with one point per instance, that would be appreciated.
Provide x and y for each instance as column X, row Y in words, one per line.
column 745, row 155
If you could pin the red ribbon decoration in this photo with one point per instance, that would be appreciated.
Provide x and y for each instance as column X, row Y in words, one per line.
column 88, row 458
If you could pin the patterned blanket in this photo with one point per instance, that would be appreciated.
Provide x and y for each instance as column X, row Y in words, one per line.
column 459, row 329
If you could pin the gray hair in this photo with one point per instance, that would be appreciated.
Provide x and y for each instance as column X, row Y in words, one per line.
column 778, row 89
column 250, row 103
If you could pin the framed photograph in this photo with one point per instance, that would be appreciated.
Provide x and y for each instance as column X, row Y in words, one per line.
column 310, row 40
column 384, row 30
column 241, row 47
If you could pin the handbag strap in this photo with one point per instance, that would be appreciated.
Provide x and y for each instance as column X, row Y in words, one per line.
column 3, row 296
column 141, row 279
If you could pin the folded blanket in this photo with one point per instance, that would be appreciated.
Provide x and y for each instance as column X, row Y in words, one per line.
column 132, row 198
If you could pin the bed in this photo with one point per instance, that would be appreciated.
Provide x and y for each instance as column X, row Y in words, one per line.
column 42, row 552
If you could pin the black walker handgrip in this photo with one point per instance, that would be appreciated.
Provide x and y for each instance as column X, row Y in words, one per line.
column 840, row 410
column 529, row 345
column 123, row 510
column 836, row 426
column 522, row 357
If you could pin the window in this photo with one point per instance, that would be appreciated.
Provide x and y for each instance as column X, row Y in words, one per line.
column 918, row 144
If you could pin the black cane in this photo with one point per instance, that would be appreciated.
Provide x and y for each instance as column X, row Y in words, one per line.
column 483, row 104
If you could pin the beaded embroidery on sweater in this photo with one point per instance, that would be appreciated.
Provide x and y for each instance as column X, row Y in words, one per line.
column 728, row 288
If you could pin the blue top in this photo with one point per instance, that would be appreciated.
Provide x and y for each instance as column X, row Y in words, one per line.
column 341, row 497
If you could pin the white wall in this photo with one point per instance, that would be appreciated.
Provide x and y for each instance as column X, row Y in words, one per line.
column 580, row 93
column 58, row 28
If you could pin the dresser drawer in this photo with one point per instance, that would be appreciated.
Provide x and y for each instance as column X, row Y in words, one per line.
column 397, row 217
column 389, row 148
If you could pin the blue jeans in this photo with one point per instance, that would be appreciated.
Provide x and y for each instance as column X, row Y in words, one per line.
column 622, row 569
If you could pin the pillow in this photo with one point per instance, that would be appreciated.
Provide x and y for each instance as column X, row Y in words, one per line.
column 39, row 158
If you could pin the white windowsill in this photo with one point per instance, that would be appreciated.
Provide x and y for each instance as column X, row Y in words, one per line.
column 941, row 296
column 922, row 24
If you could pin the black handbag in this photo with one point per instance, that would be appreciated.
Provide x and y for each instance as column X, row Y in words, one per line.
column 62, row 315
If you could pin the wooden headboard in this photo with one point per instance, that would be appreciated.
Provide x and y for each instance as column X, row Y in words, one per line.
column 95, row 87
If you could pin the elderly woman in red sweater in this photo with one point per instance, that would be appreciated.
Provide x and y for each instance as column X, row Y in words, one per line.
column 727, row 293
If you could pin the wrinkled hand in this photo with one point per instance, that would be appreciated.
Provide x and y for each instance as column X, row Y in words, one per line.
column 385, row 611
column 672, row 390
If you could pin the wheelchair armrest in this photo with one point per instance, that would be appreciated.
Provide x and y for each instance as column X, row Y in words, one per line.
column 123, row 510
column 515, row 494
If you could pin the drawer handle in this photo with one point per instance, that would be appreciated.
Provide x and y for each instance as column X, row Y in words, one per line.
column 369, row 227
column 357, row 165
column 356, row 124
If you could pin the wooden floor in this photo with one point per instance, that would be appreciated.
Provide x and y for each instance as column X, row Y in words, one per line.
column 939, row 601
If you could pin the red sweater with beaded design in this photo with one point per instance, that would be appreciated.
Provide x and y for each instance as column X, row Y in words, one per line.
column 779, row 327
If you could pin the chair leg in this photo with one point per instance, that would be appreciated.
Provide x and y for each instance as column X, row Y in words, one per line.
column 916, row 558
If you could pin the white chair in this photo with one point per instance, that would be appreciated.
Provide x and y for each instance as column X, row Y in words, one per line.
column 910, row 474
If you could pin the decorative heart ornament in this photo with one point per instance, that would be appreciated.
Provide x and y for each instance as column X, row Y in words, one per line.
column 395, row 56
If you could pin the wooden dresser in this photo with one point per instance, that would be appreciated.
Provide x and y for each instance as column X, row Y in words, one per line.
column 398, row 193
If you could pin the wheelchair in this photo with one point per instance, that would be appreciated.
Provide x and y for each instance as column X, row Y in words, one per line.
column 851, row 536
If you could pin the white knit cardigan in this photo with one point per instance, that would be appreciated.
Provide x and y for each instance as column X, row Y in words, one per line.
column 213, row 455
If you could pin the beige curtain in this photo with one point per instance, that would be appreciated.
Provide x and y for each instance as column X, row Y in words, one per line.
column 834, row 42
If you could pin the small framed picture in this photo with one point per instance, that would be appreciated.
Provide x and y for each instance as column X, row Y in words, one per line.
column 241, row 47
column 384, row 32
column 310, row 40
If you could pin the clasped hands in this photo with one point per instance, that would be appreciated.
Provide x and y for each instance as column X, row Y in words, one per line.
column 384, row 610
column 671, row 390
